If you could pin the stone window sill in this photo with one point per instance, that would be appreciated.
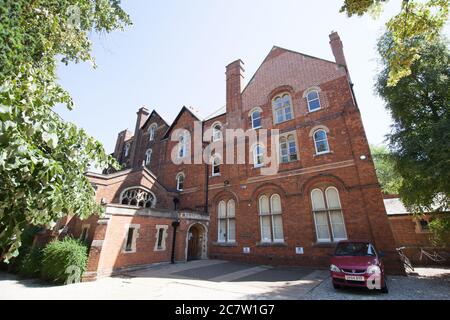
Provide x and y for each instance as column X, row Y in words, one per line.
column 225, row 244
column 323, row 154
column 271, row 244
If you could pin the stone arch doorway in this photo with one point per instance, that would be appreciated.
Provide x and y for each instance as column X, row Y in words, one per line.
column 196, row 242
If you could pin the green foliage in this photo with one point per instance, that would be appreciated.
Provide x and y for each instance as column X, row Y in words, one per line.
column 389, row 179
column 416, row 19
column 440, row 230
column 43, row 158
column 60, row 256
column 420, row 139
column 26, row 239
column 31, row 264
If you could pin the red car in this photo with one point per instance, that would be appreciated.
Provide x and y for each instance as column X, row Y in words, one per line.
column 357, row 264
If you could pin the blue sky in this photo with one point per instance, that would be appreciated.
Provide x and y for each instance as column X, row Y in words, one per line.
column 175, row 54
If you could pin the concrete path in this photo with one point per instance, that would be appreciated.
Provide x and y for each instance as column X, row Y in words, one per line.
column 222, row 280
column 204, row 279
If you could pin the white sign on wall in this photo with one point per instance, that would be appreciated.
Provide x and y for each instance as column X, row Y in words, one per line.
column 298, row 250
column 246, row 250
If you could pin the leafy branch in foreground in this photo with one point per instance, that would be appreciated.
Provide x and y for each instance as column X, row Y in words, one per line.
column 416, row 19
column 43, row 158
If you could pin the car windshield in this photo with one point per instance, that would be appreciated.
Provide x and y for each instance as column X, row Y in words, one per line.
column 354, row 249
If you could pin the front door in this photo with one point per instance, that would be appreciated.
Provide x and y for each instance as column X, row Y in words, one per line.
column 193, row 244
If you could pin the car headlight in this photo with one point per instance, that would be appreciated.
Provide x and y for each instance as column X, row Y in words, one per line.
column 334, row 268
column 373, row 270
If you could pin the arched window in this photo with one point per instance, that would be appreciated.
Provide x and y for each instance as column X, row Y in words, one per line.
column 126, row 150
column 258, row 156
column 137, row 197
column 282, row 108
column 215, row 165
column 270, row 216
column 328, row 216
column 288, row 149
column 217, row 132
column 321, row 141
column 180, row 181
column 226, row 229
column 152, row 131
column 148, row 156
column 256, row 119
column 313, row 100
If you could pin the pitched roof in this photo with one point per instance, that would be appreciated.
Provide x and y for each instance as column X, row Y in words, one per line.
column 282, row 50
column 183, row 110
column 151, row 114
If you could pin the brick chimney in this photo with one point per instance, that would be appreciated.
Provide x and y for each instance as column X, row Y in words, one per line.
column 234, row 76
column 120, row 142
column 337, row 48
column 142, row 116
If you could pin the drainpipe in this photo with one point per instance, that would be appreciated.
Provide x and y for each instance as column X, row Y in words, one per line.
column 207, row 187
column 175, row 225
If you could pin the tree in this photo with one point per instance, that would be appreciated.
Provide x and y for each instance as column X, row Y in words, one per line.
column 43, row 158
column 389, row 179
column 420, row 139
column 415, row 19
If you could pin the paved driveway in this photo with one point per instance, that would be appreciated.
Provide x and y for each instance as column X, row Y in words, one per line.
column 222, row 280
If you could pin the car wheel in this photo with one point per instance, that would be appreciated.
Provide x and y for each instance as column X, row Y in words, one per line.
column 336, row 286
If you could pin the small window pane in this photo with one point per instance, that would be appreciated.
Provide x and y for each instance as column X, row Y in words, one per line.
column 221, row 209
column 275, row 203
column 231, row 230
column 263, row 205
column 230, row 209
column 332, row 198
column 222, row 230
column 317, row 200
column 265, row 229
column 322, row 230
column 337, row 225
column 277, row 228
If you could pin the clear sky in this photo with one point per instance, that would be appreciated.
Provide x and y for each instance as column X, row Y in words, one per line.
column 175, row 54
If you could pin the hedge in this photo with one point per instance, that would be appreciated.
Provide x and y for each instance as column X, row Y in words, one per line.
column 64, row 261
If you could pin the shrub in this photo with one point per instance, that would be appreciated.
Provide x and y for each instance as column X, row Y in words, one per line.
column 31, row 263
column 63, row 260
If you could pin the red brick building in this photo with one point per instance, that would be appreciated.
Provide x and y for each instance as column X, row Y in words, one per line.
column 324, row 190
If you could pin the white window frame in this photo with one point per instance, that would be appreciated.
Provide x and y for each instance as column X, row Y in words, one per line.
column 257, row 155
column 326, row 140
column 126, row 150
column 327, row 211
column 308, row 101
column 252, row 118
column 152, row 131
column 227, row 218
column 148, row 157
column 283, row 108
column 213, row 165
column 140, row 196
column 178, row 177
column 286, row 137
column 182, row 145
column 135, row 228
column 165, row 233
column 216, row 133
column 271, row 214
